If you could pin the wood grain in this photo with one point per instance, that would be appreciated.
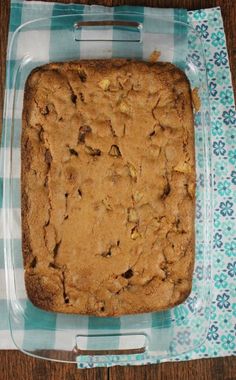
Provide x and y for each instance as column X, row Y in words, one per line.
column 205, row 369
column 15, row 365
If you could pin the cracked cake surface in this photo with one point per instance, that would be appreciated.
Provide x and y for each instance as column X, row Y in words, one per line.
column 108, row 187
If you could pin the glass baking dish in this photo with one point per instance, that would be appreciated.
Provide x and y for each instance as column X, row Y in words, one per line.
column 93, row 341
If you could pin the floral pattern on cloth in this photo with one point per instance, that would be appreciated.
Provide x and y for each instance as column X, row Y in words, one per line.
column 220, row 339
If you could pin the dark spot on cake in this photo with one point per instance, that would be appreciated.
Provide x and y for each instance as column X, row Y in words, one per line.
column 56, row 249
column 82, row 76
column 80, row 193
column 47, row 223
column 73, row 152
column 34, row 262
column 81, row 95
column 166, row 191
column 177, row 223
column 83, row 131
column 124, row 130
column 48, row 157
column 66, row 217
column 66, row 195
column 114, row 151
column 107, row 253
column 92, row 151
column 46, row 182
column 54, row 266
column 128, row 274
column 118, row 243
column 73, row 98
column 61, row 119
column 186, row 187
column 152, row 134
column 111, row 128
column 63, row 280
column 34, row 171
column 102, row 308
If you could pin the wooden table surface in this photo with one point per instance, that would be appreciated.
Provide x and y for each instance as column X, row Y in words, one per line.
column 15, row 365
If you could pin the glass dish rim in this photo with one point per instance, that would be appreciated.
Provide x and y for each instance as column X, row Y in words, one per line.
column 92, row 14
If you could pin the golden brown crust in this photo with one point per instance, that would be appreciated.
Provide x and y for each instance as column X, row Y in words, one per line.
column 108, row 187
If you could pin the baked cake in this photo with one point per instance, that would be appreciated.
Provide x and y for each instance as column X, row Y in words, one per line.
column 108, row 187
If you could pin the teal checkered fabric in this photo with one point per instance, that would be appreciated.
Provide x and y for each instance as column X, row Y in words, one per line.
column 51, row 331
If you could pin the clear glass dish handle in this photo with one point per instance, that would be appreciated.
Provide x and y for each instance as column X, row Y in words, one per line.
column 129, row 31
column 110, row 349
